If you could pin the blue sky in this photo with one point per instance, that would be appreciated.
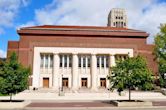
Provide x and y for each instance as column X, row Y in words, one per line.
column 144, row 15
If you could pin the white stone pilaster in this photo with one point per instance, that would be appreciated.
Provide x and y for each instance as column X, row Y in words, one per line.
column 36, row 70
column 75, row 72
column 112, row 57
column 94, row 72
column 56, row 71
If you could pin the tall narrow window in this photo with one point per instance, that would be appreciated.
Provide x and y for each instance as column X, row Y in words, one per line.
column 60, row 60
column 70, row 61
column 42, row 61
column 51, row 61
column 102, row 61
column 107, row 61
column 65, row 60
column 89, row 62
column 84, row 62
column 79, row 61
column 98, row 61
column 46, row 61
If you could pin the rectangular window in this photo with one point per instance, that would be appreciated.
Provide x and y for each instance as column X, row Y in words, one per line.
column 89, row 62
column 102, row 61
column 70, row 61
column 107, row 61
column 98, row 61
column 60, row 60
column 46, row 61
column 42, row 61
column 84, row 61
column 51, row 61
column 79, row 61
column 65, row 60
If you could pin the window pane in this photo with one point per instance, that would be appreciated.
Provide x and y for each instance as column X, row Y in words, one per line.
column 60, row 60
column 98, row 62
column 46, row 61
column 84, row 61
column 89, row 62
column 107, row 61
column 42, row 61
column 79, row 61
column 70, row 61
column 51, row 60
column 102, row 61
column 65, row 61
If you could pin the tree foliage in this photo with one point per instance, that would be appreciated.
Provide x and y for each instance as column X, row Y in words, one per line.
column 160, row 52
column 13, row 76
column 131, row 73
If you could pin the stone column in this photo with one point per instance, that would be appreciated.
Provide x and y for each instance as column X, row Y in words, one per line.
column 94, row 72
column 112, row 59
column 75, row 72
column 56, row 71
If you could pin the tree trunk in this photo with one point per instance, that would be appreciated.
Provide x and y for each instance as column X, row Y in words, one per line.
column 129, row 94
column 10, row 97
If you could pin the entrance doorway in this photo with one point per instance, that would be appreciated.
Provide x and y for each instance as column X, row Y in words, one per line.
column 103, row 82
column 45, row 82
column 84, row 82
column 65, row 82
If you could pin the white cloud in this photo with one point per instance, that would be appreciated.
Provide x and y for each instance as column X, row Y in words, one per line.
column 2, row 54
column 30, row 23
column 145, row 14
column 8, row 11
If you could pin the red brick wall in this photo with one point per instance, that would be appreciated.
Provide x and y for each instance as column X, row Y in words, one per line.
column 27, row 42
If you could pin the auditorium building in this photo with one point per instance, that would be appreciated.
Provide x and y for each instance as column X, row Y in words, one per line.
column 77, row 57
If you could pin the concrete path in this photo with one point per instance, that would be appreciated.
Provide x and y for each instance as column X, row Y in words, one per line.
column 36, row 95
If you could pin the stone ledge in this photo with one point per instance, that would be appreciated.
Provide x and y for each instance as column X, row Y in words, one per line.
column 126, row 103
column 14, row 105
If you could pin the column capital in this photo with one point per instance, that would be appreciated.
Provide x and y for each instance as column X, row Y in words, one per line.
column 55, row 53
column 93, row 54
column 112, row 54
column 75, row 53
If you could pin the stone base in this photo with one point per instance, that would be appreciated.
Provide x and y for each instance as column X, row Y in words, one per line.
column 13, row 105
column 61, row 93
column 133, row 103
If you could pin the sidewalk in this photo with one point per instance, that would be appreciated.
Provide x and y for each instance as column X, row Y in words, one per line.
column 93, row 100
column 46, row 95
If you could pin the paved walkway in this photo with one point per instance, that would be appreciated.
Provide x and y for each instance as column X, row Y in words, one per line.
column 51, row 95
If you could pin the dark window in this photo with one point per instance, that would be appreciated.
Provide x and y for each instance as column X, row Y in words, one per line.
column 46, row 61
column 89, row 62
column 51, row 60
column 60, row 60
column 42, row 61
column 79, row 61
column 98, row 61
column 102, row 61
column 107, row 61
column 65, row 60
column 84, row 61
column 70, row 61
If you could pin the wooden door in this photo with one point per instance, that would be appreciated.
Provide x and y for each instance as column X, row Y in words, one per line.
column 103, row 82
column 65, row 82
column 84, row 82
column 45, row 82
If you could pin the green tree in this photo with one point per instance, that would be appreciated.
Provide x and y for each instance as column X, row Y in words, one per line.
column 131, row 73
column 160, row 52
column 13, row 76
